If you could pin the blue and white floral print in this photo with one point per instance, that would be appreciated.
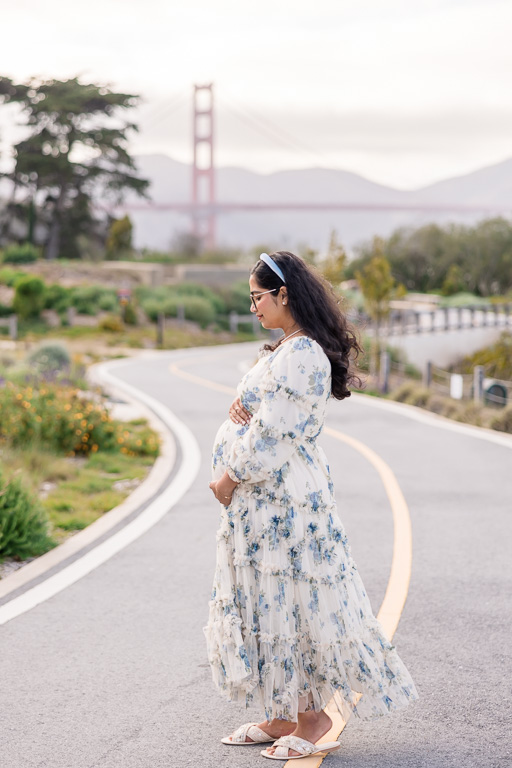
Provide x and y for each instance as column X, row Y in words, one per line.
column 289, row 615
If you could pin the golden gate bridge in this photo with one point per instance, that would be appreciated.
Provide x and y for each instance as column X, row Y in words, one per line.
column 203, row 208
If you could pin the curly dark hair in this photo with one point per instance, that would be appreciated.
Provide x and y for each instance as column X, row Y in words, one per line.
column 315, row 307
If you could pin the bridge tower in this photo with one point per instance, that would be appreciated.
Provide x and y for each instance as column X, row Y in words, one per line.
column 203, row 173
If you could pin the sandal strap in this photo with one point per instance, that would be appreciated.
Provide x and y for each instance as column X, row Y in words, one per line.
column 301, row 746
column 252, row 731
column 257, row 735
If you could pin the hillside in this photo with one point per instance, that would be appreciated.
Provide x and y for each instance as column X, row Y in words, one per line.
column 171, row 181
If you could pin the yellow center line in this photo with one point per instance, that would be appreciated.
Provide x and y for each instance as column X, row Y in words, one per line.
column 398, row 584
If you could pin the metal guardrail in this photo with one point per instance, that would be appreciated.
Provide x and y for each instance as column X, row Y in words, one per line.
column 409, row 321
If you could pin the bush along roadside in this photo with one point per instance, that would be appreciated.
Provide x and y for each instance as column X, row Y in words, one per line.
column 23, row 522
column 467, row 412
column 64, row 462
column 40, row 305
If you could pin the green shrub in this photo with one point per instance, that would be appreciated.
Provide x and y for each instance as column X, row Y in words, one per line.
column 21, row 254
column 57, row 297
column 201, row 303
column 437, row 404
column 49, row 358
column 86, row 298
column 9, row 276
column 470, row 413
column 129, row 314
column 236, row 298
column 139, row 439
column 419, row 397
column 111, row 323
column 57, row 417
column 496, row 359
column 203, row 292
column 5, row 311
column 29, row 296
column 409, row 392
column 153, row 306
column 503, row 422
column 23, row 524
column 451, row 409
column 62, row 420
column 108, row 302
column 403, row 392
column 198, row 309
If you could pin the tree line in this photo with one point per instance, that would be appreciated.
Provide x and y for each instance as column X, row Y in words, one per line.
column 446, row 259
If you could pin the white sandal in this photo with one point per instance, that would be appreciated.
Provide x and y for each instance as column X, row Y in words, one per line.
column 306, row 748
column 252, row 731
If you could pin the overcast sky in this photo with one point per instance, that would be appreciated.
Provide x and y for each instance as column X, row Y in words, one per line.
column 404, row 92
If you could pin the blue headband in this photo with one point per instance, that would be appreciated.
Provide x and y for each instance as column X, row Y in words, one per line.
column 269, row 261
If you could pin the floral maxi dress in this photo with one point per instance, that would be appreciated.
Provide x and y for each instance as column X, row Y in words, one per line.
column 289, row 616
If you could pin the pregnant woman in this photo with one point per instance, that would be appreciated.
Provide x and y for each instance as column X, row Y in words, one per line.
column 290, row 623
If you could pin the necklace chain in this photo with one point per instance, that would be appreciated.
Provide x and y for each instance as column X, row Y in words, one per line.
column 289, row 335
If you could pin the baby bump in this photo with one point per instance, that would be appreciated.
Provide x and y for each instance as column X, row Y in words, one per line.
column 227, row 433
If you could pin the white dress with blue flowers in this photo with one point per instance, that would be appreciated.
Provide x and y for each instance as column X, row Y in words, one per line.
column 289, row 615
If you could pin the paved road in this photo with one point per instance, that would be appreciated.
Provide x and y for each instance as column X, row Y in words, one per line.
column 112, row 671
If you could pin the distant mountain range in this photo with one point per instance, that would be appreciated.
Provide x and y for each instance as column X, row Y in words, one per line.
column 490, row 187
column 171, row 181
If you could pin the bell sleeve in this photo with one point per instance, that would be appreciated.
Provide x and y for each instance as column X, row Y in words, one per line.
column 296, row 380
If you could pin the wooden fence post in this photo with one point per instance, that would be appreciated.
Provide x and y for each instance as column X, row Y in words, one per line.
column 71, row 312
column 181, row 313
column 160, row 327
column 233, row 322
column 385, row 361
column 13, row 327
column 428, row 374
column 478, row 383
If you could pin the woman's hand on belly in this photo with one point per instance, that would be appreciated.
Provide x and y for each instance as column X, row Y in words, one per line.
column 223, row 489
column 238, row 414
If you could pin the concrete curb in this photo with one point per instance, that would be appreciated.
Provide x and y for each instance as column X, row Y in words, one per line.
column 435, row 420
column 127, row 510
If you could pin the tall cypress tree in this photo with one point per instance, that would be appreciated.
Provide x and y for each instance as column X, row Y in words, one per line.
column 75, row 150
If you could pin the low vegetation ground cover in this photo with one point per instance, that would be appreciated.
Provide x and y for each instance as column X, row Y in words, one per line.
column 64, row 460
column 467, row 412
column 175, row 336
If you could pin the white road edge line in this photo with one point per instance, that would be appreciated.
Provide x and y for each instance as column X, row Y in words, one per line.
column 189, row 467
column 434, row 420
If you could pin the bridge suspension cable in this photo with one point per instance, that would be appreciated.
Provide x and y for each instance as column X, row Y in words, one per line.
column 269, row 129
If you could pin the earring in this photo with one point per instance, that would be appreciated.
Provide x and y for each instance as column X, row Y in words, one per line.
column 284, row 302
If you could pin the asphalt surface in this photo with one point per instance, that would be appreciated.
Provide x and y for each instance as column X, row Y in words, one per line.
column 113, row 672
